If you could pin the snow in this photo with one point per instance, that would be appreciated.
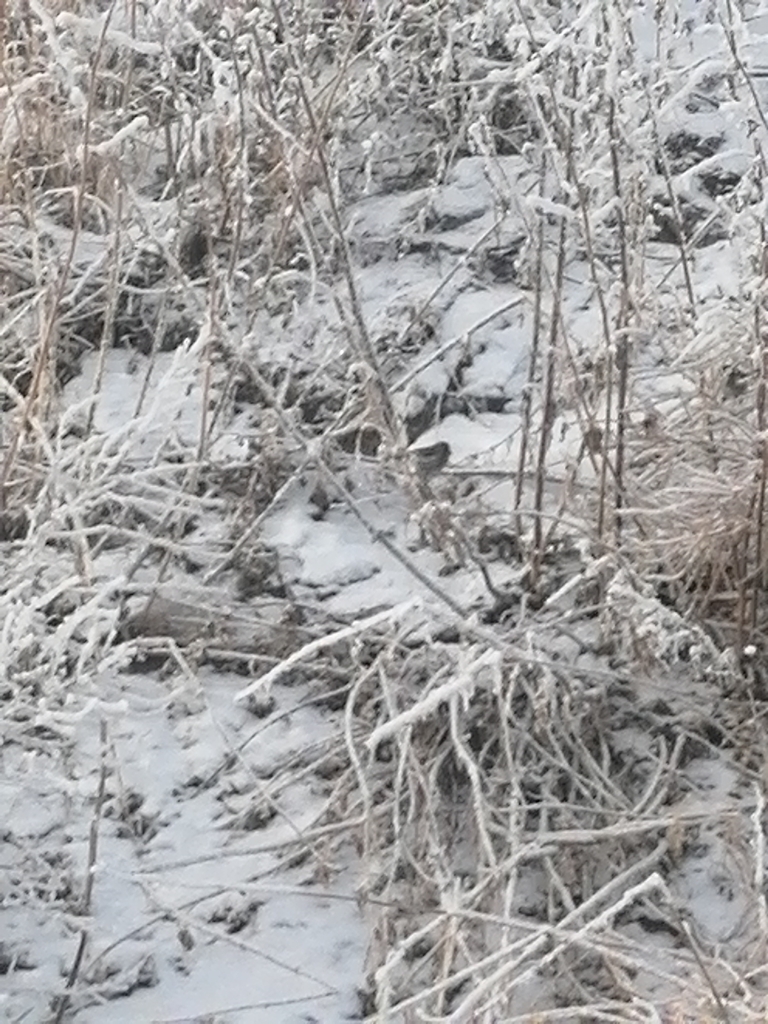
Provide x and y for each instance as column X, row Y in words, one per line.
column 189, row 869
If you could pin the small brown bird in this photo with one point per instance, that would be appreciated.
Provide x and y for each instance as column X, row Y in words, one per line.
column 431, row 459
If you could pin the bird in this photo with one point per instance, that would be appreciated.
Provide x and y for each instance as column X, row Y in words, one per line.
column 431, row 459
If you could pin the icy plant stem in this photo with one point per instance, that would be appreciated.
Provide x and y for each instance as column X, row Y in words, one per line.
column 694, row 947
column 622, row 344
column 548, row 410
column 653, row 883
column 85, row 906
column 424, row 306
column 761, row 342
column 366, row 346
column 45, row 358
column 105, row 344
column 533, row 359
column 333, row 481
column 355, row 629
column 675, row 208
column 758, row 845
column 583, row 198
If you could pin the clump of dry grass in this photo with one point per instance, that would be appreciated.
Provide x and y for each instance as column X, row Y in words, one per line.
column 512, row 839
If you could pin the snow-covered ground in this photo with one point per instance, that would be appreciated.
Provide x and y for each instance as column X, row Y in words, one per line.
column 383, row 488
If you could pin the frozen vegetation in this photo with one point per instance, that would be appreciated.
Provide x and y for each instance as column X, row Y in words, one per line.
column 383, row 619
